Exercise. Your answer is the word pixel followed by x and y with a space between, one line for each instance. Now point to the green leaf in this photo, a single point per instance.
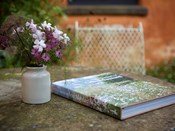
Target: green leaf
pixel 57 10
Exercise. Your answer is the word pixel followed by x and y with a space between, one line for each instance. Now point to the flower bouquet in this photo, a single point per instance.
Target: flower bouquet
pixel 36 45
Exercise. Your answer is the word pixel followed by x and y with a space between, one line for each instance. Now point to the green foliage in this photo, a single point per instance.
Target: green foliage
pixel 165 71
pixel 5 59
pixel 71 52
pixel 39 10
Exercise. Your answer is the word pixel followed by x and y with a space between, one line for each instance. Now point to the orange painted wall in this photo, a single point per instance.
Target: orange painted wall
pixel 159 28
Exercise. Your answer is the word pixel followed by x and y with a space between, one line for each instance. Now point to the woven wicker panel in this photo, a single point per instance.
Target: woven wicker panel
pixel 114 48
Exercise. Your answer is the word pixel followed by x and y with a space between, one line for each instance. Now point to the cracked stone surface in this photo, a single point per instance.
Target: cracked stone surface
pixel 64 115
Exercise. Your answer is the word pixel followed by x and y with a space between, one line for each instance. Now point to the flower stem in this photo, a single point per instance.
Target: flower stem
pixel 22 43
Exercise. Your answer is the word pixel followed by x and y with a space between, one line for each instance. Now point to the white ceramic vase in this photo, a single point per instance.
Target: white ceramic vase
pixel 36 85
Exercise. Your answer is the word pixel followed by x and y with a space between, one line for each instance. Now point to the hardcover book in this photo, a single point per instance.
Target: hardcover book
pixel 116 95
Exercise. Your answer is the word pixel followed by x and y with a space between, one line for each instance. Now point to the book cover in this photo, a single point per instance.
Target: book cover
pixel 116 95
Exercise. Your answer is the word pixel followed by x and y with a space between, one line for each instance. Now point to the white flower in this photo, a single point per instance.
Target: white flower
pixel 18 29
pixel 31 26
pixel 28 24
pixel 57 34
pixel 46 25
pixel 66 38
pixel 40 27
pixel 39 35
pixel 40 45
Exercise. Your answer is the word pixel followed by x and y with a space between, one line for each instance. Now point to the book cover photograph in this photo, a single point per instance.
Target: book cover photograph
pixel 115 95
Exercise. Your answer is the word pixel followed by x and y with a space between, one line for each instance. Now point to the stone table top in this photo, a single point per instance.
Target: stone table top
pixel 61 114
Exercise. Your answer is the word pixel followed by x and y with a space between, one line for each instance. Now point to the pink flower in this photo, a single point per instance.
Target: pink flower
pixel 36 54
pixel 4 42
pixel 45 57
pixel 48 47
pixel 58 53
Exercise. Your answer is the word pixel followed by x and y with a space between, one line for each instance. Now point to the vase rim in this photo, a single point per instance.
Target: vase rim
pixel 36 68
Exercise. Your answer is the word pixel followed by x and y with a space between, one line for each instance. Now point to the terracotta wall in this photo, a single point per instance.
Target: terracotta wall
pixel 159 28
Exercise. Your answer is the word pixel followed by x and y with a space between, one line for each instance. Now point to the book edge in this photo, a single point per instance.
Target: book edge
pixel 83 101
pixel 150 102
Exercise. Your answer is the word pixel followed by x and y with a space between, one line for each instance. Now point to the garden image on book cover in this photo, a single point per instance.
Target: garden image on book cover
pixel 116 95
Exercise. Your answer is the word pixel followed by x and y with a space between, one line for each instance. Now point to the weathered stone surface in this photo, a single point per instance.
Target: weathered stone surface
pixel 64 115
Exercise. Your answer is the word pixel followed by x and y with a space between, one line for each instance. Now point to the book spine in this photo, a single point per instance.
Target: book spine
pixel 91 102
